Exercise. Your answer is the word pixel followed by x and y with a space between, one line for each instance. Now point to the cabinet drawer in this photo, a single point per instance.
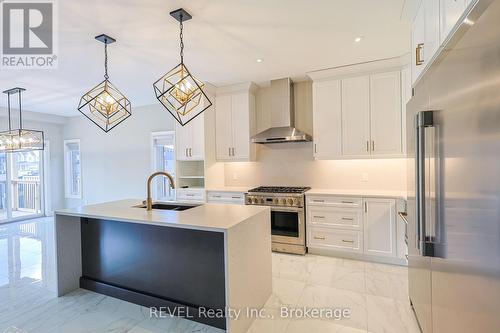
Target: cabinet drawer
pixel 335 239
pixel 347 202
pixel 187 194
pixel 335 217
pixel 226 197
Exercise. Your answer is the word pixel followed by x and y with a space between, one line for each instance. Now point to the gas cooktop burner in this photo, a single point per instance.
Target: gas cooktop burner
pixel 279 189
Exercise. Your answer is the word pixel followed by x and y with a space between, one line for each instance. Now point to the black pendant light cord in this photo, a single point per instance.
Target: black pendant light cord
pixel 182 40
pixel 20 112
pixel 8 108
pixel 106 76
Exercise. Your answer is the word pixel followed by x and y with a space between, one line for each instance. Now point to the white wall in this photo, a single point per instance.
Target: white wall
pixel 116 165
pixel 52 126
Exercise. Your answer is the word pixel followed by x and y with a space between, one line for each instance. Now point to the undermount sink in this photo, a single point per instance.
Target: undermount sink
pixel 169 206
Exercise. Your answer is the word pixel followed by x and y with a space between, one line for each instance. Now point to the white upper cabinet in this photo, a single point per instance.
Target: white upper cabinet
pixel 223 133
pixel 380 227
pixel 385 111
pixel 356 116
pixel 327 119
pixel 451 10
pixel 234 123
pixel 190 140
pixel 417 42
pixel 432 33
pixel 433 23
pixel 360 116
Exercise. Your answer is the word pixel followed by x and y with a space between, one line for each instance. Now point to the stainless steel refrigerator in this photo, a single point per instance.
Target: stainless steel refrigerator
pixel 453 141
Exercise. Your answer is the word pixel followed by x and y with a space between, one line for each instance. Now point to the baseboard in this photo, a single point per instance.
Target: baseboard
pixel 356 256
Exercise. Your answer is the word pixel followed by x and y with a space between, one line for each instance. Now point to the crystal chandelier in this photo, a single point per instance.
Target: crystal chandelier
pixel 178 91
pixel 20 139
pixel 104 104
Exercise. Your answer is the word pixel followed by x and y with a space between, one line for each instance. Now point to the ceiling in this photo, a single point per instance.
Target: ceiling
pixel 222 43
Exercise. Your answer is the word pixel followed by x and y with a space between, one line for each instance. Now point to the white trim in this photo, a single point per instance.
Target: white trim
pixel 68 195
pixel 46 196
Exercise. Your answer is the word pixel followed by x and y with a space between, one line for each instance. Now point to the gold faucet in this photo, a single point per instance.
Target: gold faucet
pixel 149 200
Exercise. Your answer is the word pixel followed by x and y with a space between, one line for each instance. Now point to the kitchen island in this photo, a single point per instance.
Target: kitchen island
pixel 195 263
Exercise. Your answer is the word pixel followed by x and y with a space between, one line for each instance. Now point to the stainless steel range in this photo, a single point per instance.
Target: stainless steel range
pixel 288 223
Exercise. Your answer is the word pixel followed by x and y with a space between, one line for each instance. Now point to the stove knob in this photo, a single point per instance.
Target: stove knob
pixel 249 200
pixel 255 200
pixel 276 201
pixel 261 201
pixel 283 201
pixel 290 202
pixel 295 202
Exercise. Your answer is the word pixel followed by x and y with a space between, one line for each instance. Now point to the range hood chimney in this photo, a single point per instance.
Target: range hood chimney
pixel 282 116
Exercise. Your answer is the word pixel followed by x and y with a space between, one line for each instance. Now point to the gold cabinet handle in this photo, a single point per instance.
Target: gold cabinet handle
pixel 229 151
pixel 347 241
pixel 373 145
pixel 315 200
pixel 348 219
pixel 320 238
pixel 318 217
pixel 418 54
pixel 233 151
pixel 347 202
pixel 367 145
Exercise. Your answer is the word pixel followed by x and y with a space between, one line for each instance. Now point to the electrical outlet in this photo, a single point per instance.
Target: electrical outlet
pixel 364 177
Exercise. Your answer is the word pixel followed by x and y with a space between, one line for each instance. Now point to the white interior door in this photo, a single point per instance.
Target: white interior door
pixel 223 124
pixel 385 104
pixel 327 108
pixel 356 117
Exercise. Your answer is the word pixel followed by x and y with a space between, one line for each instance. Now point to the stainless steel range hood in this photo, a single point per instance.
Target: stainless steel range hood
pixel 282 116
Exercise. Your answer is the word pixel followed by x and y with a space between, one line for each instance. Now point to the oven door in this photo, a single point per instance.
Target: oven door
pixel 288 225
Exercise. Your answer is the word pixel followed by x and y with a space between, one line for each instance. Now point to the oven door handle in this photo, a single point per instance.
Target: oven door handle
pixel 287 209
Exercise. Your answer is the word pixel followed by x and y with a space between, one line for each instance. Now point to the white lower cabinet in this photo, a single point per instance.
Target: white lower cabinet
pixel 191 194
pixel 362 228
pixel 236 198
pixel 380 227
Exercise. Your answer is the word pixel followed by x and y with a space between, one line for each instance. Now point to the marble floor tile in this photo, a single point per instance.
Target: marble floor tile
pixel 285 292
pixel 321 297
pixel 337 276
pixel 385 284
pixel 320 326
pixel 273 323
pixel 292 267
pixel 386 315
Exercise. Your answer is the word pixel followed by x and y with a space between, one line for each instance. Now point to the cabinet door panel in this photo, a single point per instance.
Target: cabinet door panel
pixel 451 10
pixel 223 127
pixel 417 38
pixel 385 101
pixel 240 125
pixel 356 116
pixel 431 26
pixel 197 146
pixel 182 141
pixel 327 118
pixel 380 227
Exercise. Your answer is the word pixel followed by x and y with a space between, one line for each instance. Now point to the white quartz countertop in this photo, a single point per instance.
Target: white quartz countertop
pixel 212 217
pixel 229 189
pixel 358 193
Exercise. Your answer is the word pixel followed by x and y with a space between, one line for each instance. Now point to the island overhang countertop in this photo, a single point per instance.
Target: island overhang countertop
pixel 211 217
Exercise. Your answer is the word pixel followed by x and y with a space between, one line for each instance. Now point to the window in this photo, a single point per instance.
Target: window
pixel 72 169
pixel 163 159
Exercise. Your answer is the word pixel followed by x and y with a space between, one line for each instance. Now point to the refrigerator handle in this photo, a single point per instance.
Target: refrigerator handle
pixel 424 119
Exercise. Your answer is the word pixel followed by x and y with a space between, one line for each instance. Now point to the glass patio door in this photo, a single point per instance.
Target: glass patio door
pixel 21 185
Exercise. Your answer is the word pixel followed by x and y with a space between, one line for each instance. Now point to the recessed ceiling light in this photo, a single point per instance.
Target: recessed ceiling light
pixel 358 39
pixel 259 60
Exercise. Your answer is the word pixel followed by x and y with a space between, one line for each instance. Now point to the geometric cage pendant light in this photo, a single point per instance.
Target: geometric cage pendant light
pixel 104 104
pixel 179 91
pixel 19 139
